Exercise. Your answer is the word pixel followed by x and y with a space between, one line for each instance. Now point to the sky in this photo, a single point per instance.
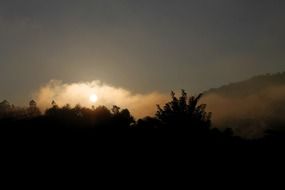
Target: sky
pixel 142 46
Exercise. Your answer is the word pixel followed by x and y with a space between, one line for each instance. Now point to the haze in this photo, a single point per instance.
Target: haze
pixel 141 46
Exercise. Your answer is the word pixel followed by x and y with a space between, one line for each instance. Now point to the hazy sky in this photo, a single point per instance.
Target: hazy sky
pixel 141 45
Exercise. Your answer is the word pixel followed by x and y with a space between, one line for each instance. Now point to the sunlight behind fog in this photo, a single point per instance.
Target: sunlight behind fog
pixel 83 93
pixel 93 98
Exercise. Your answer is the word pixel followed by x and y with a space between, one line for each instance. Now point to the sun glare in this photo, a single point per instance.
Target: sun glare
pixel 93 98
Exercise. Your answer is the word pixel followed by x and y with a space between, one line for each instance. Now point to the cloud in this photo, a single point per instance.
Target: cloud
pixel 140 105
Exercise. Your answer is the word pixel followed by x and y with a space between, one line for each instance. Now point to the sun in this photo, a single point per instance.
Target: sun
pixel 93 98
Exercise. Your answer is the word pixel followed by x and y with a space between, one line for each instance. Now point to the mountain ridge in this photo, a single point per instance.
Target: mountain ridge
pixel 250 107
pixel 256 83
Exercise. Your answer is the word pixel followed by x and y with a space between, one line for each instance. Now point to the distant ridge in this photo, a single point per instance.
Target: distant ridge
pixel 250 107
pixel 250 86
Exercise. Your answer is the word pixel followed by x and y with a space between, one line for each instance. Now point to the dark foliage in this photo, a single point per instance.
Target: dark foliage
pixel 184 112
pixel 183 121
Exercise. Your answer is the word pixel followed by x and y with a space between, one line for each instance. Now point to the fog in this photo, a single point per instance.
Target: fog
pixel 249 115
pixel 62 93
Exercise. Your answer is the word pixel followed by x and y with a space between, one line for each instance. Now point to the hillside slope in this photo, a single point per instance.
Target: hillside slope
pixel 250 107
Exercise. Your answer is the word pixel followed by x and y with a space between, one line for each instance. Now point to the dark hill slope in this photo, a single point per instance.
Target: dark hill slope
pixel 250 107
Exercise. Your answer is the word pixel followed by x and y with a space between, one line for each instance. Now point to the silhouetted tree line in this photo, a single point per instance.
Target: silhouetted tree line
pixel 181 119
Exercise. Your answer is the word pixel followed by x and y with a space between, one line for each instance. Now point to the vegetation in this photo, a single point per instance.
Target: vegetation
pixel 182 120
pixel 251 107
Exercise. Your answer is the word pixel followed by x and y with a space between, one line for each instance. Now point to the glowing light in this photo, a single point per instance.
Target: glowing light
pixel 93 98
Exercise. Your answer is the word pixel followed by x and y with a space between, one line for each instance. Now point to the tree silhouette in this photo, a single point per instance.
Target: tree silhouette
pixel 5 109
pixel 116 110
pixel 54 104
pixel 183 120
pixel 184 112
pixel 33 110
pixel 122 119
pixel 5 106
pixel 149 123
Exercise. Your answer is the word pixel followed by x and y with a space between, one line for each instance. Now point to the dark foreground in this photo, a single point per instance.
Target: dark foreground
pixel 149 139
pixel 182 125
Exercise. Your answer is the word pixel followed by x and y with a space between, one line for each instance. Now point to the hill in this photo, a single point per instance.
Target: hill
pixel 250 107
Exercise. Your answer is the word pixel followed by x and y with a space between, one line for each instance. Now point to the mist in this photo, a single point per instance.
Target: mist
pixel 140 105
pixel 248 115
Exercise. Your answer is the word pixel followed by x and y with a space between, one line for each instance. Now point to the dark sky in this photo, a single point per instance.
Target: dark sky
pixel 138 44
